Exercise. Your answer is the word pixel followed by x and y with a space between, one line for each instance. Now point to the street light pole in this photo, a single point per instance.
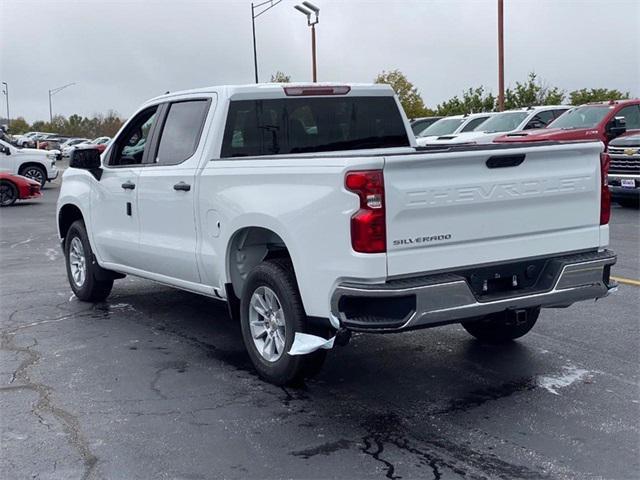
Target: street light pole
pixel 311 11
pixel 52 92
pixel 500 55
pixel 6 92
pixel 254 15
pixel 313 52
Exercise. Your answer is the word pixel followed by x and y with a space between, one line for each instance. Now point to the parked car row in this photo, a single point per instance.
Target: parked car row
pixel 615 121
pixel 54 141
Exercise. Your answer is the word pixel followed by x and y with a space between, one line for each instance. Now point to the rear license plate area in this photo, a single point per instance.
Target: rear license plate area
pixel 504 279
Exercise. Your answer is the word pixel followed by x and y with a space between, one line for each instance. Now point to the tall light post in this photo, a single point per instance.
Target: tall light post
pixel 258 8
pixel 500 55
pixel 52 92
pixel 6 93
pixel 311 11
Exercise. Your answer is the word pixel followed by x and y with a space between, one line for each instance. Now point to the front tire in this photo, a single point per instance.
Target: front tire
pixel 8 193
pixel 502 327
pixel 271 312
pixel 35 172
pixel 82 268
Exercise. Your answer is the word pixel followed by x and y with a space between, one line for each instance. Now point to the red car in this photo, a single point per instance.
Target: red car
pixel 16 187
pixel 592 121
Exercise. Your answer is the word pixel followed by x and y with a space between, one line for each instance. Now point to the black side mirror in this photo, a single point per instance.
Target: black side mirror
pixel 87 158
pixel 616 127
pixel 4 149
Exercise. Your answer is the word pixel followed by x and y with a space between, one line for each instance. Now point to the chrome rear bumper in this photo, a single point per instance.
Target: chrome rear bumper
pixel 447 298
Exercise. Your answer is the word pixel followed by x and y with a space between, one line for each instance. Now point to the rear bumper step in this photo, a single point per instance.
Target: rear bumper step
pixel 433 300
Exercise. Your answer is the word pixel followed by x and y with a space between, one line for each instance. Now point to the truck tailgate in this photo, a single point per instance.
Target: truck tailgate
pixel 453 209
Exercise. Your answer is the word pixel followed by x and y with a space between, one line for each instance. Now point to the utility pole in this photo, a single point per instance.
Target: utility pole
pixel 52 92
pixel 311 11
pixel 313 52
pixel 500 56
pixel 254 15
pixel 6 92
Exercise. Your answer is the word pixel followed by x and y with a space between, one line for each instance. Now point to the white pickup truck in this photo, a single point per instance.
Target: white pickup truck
pixel 312 212
pixel 39 165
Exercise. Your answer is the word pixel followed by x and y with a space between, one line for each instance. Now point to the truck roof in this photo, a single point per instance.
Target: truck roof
pixel 277 90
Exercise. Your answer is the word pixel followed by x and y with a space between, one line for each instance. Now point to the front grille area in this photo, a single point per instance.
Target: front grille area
pixel 622 163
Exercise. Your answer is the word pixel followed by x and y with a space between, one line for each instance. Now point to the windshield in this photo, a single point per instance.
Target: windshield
pixel 582 117
pixel 503 122
pixel 442 127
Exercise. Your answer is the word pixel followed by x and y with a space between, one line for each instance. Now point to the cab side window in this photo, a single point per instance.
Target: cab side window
pixel 181 131
pixel 476 122
pixel 557 113
pixel 130 147
pixel 631 114
pixel 540 120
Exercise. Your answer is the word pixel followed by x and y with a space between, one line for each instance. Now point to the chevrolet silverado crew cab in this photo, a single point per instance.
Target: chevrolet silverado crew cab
pixel 310 210
pixel 38 165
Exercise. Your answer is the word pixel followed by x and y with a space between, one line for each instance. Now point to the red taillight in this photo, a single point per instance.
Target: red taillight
pixel 319 90
pixel 605 195
pixel 368 225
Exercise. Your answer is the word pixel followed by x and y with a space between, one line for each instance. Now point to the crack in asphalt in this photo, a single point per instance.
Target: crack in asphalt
pixel 178 365
pixel 70 424
pixel 439 455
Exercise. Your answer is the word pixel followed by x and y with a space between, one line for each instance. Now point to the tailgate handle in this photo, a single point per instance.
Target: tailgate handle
pixel 503 161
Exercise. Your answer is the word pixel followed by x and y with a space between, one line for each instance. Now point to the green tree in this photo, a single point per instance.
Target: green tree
pixel 18 125
pixel 111 123
pixel 579 97
pixel 474 100
pixel 39 126
pixel 280 77
pixel 408 94
pixel 77 126
pixel 532 92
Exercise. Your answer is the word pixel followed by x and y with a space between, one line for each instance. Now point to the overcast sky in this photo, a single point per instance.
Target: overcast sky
pixel 122 52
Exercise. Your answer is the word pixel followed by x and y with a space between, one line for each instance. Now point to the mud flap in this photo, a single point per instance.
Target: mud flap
pixel 303 343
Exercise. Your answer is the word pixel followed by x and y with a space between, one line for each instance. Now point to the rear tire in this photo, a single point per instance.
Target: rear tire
pixel 35 172
pixel 500 327
pixel 271 288
pixel 82 268
pixel 8 193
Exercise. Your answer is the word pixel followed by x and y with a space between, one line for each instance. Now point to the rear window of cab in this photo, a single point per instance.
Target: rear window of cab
pixel 307 125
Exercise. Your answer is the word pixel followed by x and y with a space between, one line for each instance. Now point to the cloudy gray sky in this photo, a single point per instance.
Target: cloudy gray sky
pixel 122 52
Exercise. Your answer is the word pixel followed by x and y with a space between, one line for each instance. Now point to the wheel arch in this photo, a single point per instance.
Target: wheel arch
pixel 67 214
pixel 247 247
pixel 32 163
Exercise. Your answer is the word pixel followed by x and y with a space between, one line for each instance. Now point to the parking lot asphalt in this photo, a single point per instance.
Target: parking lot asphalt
pixel 155 384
